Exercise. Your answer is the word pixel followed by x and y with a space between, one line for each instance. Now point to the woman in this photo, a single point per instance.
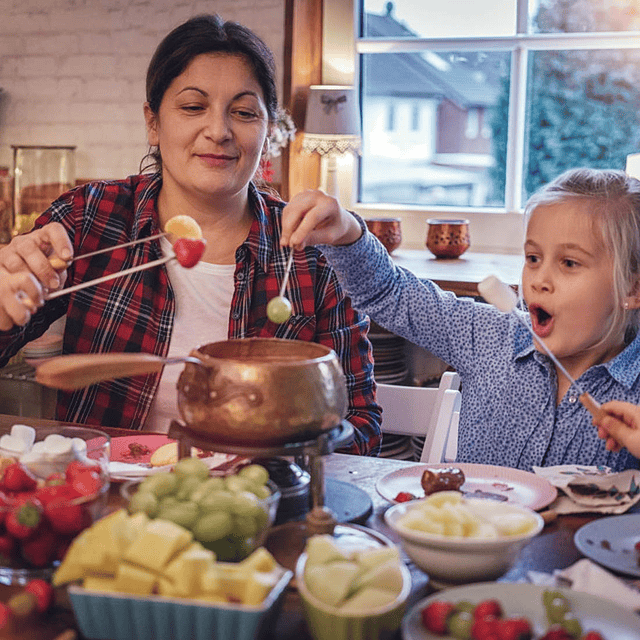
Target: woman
pixel 211 100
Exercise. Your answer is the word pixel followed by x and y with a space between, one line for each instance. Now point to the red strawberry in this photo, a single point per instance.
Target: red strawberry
pixel 23 520
pixel 485 628
pixel 514 629
pixel 43 591
pixel 405 496
pixel 64 516
pixel 5 615
pixel 434 616
pixel 87 483
pixel 40 549
pixel 487 608
pixel 17 478
pixel 76 467
pixel 189 251
pixel 592 635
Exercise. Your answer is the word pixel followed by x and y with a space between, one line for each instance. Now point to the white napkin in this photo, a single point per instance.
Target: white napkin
pixel 588 577
pixel 586 489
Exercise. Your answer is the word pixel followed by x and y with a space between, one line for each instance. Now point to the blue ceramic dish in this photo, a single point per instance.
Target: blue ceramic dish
pixel 127 617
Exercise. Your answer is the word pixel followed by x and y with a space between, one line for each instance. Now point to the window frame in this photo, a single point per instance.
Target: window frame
pixel 493 229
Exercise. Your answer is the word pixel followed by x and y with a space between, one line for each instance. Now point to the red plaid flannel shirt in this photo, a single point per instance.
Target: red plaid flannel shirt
pixel 135 313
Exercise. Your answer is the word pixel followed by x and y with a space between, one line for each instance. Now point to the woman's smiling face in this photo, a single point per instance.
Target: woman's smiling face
pixel 568 284
pixel 211 126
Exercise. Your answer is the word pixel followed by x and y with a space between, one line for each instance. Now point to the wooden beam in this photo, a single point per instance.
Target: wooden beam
pixel 302 68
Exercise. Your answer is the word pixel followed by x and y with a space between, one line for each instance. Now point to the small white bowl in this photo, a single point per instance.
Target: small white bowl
pixel 457 559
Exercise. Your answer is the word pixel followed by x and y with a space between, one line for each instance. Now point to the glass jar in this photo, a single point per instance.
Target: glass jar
pixel 41 174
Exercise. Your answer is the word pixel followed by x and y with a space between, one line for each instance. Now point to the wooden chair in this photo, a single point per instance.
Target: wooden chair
pixel 424 411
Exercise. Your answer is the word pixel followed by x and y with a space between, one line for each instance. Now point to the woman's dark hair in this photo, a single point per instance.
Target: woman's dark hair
pixel 207 34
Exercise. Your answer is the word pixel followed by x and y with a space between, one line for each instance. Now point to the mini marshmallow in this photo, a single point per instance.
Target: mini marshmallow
pixel 498 294
pixel 26 433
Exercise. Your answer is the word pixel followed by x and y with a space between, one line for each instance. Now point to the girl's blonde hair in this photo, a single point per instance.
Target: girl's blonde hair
pixel 613 198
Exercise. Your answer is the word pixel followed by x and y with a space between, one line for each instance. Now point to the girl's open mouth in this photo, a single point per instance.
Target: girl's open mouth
pixel 541 320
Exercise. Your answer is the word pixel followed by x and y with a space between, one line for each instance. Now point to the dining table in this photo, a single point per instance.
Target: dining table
pixel 552 549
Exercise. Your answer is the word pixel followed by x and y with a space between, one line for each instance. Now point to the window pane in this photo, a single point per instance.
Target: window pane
pixel 576 16
pixel 429 124
pixel 438 19
pixel 582 111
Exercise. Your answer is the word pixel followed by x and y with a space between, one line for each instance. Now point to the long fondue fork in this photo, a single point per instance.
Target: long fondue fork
pixel 504 298
pixel 111 276
pixel 287 271
pixel 118 246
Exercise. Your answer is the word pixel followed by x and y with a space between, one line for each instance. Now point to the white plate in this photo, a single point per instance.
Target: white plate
pixel 595 614
pixel 610 542
pixel 520 487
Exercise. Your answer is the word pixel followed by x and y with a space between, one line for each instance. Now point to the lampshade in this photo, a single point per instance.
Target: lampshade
pixel 332 123
pixel 633 165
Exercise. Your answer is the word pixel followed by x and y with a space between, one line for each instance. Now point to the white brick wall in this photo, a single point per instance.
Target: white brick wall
pixel 73 71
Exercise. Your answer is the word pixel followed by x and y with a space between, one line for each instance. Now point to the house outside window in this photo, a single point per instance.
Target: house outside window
pixel 543 87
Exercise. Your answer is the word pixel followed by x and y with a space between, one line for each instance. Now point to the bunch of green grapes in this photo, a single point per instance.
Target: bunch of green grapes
pixel 225 514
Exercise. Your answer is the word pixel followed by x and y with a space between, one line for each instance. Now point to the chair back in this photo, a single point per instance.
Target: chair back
pixel 424 411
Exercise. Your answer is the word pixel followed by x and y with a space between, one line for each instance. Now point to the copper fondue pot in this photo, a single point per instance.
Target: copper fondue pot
pixel 262 391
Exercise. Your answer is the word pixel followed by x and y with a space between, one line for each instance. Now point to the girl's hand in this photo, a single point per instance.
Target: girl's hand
pixel 31 252
pixel 312 217
pixel 620 426
pixel 20 296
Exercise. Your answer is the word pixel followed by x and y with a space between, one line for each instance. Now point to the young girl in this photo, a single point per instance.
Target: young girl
pixel 580 286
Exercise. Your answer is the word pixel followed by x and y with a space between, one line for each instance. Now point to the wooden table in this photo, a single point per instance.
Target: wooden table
pixel 552 549
pixel 463 274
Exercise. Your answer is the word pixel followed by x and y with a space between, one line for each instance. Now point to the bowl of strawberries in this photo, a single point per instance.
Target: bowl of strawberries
pixel 54 483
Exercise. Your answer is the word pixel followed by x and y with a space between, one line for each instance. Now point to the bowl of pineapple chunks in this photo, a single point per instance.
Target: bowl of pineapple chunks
pixel 133 577
pixel 352 594
pixel 455 539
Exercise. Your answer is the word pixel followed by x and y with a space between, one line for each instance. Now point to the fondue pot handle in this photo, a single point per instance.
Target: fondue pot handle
pixel 77 371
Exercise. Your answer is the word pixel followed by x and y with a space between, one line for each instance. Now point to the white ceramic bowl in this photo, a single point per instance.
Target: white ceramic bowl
pixel 457 559
pixel 328 623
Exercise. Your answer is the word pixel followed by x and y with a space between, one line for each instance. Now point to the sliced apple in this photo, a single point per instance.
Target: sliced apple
pixel 330 583
pixel 322 549
pixel 386 576
pixel 366 600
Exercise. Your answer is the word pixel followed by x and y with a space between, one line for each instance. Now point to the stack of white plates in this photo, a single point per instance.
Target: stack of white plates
pixel 397 447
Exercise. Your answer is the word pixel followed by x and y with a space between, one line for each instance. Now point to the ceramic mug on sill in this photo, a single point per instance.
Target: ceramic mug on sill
pixel 387 230
pixel 448 238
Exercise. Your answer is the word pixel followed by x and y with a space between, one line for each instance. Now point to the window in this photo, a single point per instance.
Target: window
pixel 498 96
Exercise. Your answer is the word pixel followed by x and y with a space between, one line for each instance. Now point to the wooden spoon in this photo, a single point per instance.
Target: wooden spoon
pixel 77 371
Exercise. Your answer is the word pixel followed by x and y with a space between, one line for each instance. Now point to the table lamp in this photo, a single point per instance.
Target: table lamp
pixel 332 126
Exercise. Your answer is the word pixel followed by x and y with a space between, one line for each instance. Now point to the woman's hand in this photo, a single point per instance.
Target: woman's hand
pixel 620 426
pixel 20 296
pixel 312 217
pixel 30 265
pixel 43 253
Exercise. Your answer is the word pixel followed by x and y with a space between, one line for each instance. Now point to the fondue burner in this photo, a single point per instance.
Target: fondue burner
pixel 309 453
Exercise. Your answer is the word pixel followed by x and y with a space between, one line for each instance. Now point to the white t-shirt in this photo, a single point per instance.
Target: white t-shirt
pixel 203 303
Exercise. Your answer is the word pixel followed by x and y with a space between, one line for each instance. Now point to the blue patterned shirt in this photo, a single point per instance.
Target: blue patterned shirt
pixel 509 415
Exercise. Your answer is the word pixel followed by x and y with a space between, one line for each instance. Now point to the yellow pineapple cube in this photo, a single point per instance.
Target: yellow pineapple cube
pixel 97 583
pixel 131 579
pixel 157 543
pixel 259 560
pixel 259 585
pixel 185 569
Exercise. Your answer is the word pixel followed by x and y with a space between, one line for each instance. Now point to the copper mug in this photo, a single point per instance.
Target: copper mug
pixel 387 230
pixel 448 238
